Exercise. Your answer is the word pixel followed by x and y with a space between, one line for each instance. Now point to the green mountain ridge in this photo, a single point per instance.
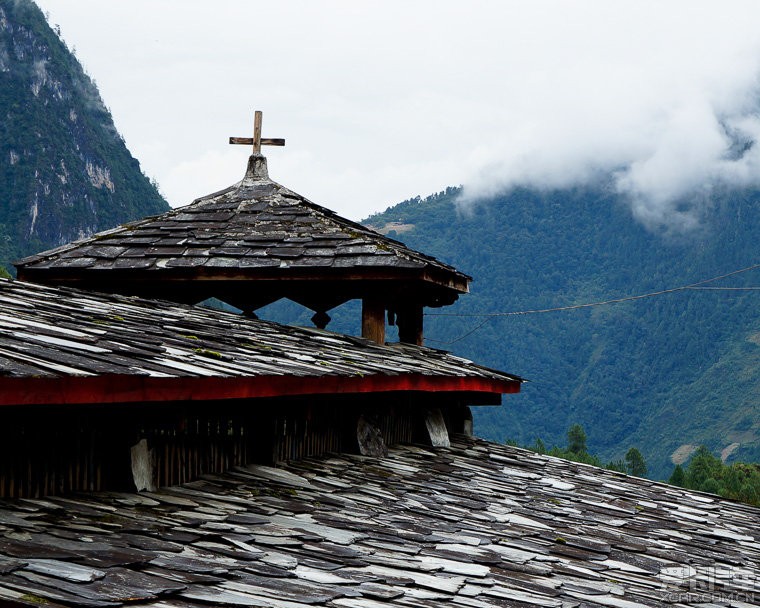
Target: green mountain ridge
pixel 65 172
pixel 656 373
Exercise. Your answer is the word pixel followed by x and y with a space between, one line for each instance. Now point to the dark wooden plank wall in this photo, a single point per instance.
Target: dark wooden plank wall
pixel 314 429
pixel 48 453
pixel 199 444
pixel 300 433
pixel 53 451
pixel 60 450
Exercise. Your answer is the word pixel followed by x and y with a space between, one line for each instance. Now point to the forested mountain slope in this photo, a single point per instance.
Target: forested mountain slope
pixel 660 373
pixel 64 170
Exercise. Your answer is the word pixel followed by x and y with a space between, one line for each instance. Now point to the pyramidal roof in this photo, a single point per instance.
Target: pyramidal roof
pixel 255 229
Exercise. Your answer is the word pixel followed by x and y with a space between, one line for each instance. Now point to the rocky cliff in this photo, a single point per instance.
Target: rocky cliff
pixel 65 171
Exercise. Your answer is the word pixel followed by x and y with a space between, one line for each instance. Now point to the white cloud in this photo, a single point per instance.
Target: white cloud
pixel 381 101
pixel 660 104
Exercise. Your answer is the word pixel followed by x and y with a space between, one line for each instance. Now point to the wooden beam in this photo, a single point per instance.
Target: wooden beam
pixel 264 141
pixel 373 320
pixel 409 321
pixel 346 283
pixel 105 389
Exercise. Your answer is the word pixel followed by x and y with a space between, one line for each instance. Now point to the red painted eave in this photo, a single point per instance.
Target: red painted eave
pixel 138 389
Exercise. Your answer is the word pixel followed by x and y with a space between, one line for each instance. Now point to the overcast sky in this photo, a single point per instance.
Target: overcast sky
pixel 383 101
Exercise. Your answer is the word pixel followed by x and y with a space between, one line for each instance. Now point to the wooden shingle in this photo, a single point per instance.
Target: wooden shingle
pixel 256 230
pixel 477 524
pixel 117 344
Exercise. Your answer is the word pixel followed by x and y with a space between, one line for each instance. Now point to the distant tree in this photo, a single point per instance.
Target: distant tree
pixel 634 463
pixel 704 465
pixel 707 473
pixel 741 481
pixel 576 439
pixel 750 494
pixel 678 478
pixel 576 451
pixel 617 465
pixel 733 478
pixel 4 274
pixel 711 486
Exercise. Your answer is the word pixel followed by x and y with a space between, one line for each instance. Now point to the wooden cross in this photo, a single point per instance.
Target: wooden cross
pixel 257 141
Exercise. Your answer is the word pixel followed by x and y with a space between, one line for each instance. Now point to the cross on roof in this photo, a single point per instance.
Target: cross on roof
pixel 257 141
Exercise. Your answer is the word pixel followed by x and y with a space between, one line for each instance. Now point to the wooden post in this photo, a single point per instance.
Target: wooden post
pixel 409 321
pixel 257 132
pixel 370 438
pixel 144 466
pixel 373 320
pixel 436 428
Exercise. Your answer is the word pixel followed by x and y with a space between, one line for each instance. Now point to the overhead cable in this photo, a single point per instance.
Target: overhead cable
pixel 691 286
pixel 698 286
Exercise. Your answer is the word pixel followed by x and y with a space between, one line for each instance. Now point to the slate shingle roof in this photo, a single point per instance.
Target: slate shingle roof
pixel 476 525
pixel 254 229
pixel 49 332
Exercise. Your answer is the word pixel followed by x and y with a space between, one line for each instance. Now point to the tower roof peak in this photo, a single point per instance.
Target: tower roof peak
pixel 252 244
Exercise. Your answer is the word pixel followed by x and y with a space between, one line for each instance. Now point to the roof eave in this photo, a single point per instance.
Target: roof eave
pixel 139 281
pixel 111 389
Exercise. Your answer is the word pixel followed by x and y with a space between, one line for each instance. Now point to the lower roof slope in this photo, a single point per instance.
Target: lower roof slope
pixel 60 345
pixel 476 525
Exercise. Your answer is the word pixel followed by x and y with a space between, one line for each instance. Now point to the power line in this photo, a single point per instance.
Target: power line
pixel 698 286
pixel 691 286
pixel 725 288
pixel 469 333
